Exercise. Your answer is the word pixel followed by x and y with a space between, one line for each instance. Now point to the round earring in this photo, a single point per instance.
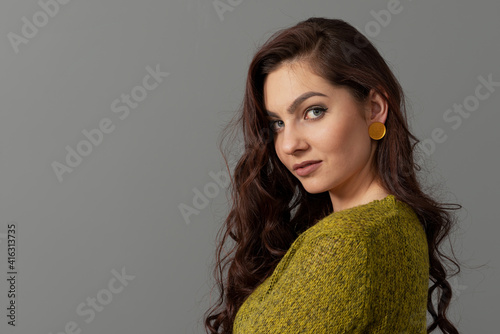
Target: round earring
pixel 376 130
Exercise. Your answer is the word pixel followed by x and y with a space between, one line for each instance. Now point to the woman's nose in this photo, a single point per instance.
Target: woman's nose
pixel 292 141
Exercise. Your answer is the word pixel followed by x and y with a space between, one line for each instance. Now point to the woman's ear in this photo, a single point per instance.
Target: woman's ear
pixel 377 107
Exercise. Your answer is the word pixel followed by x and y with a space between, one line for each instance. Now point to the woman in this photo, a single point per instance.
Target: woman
pixel 332 231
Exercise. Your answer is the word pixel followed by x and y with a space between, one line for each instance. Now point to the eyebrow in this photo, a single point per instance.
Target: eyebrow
pixel 297 102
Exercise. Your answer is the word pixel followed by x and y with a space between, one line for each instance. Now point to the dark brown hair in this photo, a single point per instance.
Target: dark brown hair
pixel 270 208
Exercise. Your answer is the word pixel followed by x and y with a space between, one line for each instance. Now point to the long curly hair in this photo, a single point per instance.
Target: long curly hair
pixel 270 207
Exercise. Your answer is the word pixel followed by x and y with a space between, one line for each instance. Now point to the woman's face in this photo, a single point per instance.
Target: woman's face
pixel 326 125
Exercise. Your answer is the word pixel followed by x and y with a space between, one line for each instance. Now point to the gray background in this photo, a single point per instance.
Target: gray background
pixel 119 208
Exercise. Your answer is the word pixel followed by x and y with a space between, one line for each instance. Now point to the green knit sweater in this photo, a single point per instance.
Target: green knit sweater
pixel 360 270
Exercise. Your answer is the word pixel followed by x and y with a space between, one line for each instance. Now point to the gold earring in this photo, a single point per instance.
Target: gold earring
pixel 376 130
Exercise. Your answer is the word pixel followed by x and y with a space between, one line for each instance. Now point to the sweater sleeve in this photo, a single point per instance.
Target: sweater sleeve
pixel 322 290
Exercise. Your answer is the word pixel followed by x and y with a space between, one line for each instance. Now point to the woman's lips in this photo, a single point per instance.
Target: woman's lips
pixel 308 169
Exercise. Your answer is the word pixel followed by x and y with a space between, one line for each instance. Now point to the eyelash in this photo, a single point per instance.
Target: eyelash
pixel 322 109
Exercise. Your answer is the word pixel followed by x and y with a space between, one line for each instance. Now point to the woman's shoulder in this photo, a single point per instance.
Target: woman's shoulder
pixel 371 233
pixel 387 215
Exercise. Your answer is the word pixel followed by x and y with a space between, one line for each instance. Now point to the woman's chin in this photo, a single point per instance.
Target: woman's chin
pixel 314 189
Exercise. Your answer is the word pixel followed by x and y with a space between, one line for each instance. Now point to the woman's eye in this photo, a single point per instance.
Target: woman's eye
pixel 316 112
pixel 272 125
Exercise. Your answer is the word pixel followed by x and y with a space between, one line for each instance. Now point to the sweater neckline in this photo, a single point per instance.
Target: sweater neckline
pixel 388 201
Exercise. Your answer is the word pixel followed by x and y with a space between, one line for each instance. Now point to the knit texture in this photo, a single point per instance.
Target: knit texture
pixel 360 270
